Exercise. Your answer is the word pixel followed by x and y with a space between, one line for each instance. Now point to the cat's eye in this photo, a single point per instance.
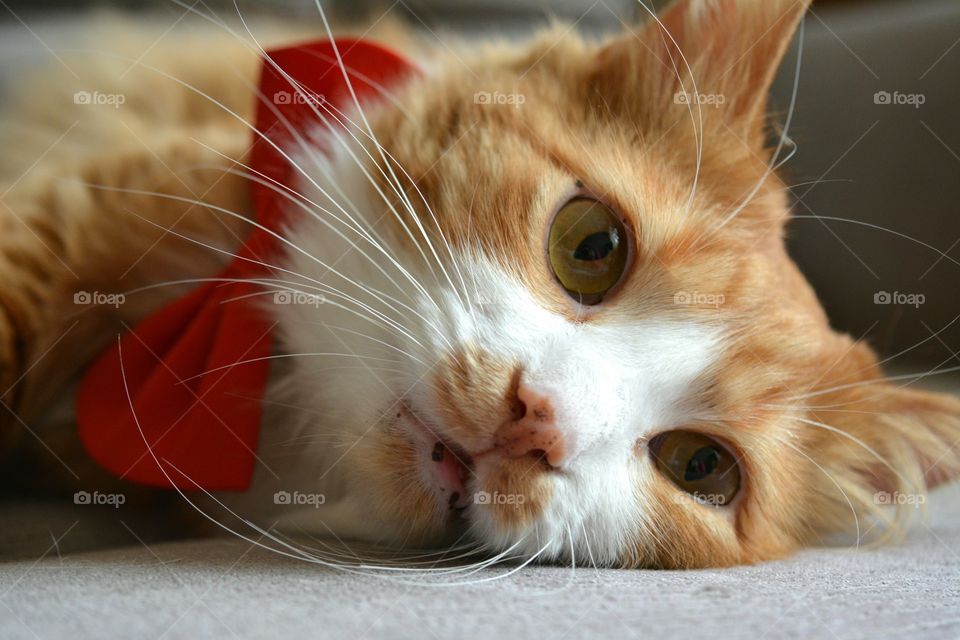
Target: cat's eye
pixel 588 249
pixel 699 465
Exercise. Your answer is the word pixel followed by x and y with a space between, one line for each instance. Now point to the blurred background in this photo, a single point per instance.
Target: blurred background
pixel 877 167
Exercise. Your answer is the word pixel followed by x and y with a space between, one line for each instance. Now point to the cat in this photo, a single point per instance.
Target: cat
pixel 573 330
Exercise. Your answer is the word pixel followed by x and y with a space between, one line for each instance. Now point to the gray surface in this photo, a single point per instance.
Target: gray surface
pixel 227 589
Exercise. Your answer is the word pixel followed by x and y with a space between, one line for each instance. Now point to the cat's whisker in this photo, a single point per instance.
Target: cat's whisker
pixel 878 227
pixel 310 102
pixel 335 133
pixel 427 322
pixel 301 201
pixel 396 183
pixel 377 318
pixel 832 478
pixel 775 163
pixel 322 164
pixel 404 559
pixel 379 295
pixel 913 377
pixel 284 356
pixel 586 542
pixel 814 183
pixel 933 336
pixel 862 444
pixel 255 46
pixel 391 325
pixel 230 112
pixel 698 121
pixel 413 183
pixel 380 342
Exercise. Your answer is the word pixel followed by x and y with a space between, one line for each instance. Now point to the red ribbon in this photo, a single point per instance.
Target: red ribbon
pixel 193 373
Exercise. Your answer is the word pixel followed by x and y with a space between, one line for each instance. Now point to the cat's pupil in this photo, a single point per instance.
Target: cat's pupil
pixel 597 246
pixel 702 463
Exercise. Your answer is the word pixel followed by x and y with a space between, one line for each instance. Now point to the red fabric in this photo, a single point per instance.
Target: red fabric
pixel 196 369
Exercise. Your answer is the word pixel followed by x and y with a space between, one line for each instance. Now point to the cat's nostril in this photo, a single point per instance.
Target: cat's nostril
pixel 518 409
pixel 536 405
pixel 534 431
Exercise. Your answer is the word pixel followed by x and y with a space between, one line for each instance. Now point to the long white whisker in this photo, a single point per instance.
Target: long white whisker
pixel 311 104
pixel 697 132
pixel 391 158
pixel 775 163
pixel 856 517
pixel 396 183
pixel 379 295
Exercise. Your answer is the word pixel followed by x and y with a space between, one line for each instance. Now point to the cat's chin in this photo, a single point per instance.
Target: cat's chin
pixel 445 466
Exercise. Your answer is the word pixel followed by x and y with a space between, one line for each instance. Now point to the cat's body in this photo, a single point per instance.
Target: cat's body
pixel 450 330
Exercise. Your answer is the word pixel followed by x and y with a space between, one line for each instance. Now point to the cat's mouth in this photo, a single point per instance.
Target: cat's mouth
pixel 446 466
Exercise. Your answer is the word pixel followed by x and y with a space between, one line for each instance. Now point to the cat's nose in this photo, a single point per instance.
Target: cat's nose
pixel 535 431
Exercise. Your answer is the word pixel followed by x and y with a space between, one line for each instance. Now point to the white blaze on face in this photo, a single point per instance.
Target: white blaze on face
pixel 609 383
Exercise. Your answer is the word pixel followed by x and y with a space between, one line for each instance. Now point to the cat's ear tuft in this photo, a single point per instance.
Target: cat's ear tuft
pixel 880 448
pixel 720 55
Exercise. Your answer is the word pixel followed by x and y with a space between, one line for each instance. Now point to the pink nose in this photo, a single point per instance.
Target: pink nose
pixel 535 431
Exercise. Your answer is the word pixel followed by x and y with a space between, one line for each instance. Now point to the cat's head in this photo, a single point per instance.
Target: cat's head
pixel 569 325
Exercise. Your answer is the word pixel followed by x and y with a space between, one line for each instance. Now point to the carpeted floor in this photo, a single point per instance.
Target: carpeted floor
pixel 230 589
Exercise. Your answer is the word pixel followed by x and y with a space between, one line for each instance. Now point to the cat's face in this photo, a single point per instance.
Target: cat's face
pixel 583 337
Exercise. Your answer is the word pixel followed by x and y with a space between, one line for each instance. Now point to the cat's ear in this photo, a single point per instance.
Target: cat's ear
pixel 718 55
pixel 879 445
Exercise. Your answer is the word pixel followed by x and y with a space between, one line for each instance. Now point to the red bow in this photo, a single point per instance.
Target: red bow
pixel 194 372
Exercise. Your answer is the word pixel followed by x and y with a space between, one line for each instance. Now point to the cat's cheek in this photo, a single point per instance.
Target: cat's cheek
pixel 687 534
pixel 510 496
pixel 388 477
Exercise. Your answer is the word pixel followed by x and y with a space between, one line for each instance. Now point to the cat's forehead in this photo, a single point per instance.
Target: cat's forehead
pixel 500 148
